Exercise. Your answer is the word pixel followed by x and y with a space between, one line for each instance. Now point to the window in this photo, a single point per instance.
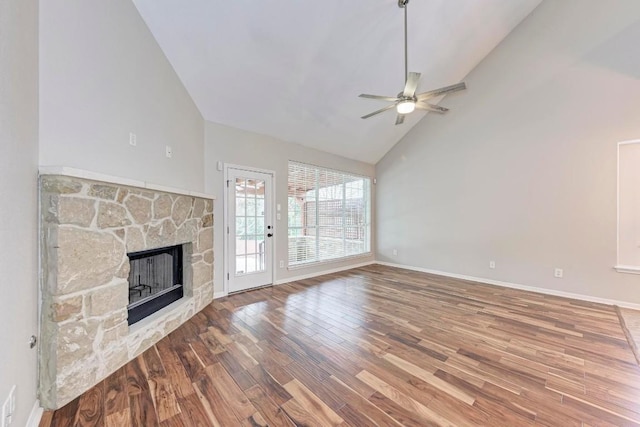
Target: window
pixel 629 207
pixel 328 214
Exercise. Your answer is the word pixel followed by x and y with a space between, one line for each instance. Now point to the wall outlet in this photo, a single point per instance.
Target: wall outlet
pixel 558 273
pixel 281 264
pixel 168 152
pixel 395 252
pixel 133 139
pixel 492 264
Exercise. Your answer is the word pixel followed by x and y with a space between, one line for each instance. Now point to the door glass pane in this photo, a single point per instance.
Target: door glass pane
pixel 240 185
pixel 251 206
pixel 255 254
pixel 250 226
pixel 260 189
pixel 241 248
pixel 240 264
pixel 240 202
pixel 240 226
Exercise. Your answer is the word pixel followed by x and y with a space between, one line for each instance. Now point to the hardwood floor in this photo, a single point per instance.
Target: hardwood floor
pixel 377 346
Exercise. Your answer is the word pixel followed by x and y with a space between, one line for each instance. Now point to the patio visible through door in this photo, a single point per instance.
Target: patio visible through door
pixel 250 229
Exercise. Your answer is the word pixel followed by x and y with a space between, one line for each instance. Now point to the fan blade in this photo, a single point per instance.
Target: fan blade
pixel 400 119
pixel 430 107
pixel 381 98
pixel 411 85
pixel 382 110
pixel 442 91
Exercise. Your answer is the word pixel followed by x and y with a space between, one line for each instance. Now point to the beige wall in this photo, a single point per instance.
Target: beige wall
pixel 103 76
pixel 523 169
pixel 234 146
pixel 18 209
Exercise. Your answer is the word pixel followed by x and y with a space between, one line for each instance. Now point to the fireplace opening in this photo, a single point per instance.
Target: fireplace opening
pixel 155 281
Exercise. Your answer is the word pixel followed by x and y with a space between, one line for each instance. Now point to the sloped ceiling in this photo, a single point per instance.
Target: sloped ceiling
pixel 294 69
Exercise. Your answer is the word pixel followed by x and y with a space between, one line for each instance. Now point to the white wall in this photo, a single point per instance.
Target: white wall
pixel 102 75
pixel 18 209
pixel 523 169
pixel 234 146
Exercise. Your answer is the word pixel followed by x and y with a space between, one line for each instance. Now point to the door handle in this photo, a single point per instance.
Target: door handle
pixel 269 234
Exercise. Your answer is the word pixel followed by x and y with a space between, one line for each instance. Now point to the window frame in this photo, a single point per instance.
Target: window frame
pixel 366 224
pixel 623 266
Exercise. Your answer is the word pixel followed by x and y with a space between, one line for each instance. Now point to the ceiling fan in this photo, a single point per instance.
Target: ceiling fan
pixel 407 100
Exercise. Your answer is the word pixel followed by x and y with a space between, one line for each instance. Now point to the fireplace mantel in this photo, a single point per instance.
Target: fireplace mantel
pixel 110 179
pixel 88 224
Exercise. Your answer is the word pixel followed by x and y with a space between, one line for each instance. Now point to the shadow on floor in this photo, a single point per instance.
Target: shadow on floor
pixel 630 321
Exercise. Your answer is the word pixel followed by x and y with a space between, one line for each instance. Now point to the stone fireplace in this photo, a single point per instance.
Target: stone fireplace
pixel 93 230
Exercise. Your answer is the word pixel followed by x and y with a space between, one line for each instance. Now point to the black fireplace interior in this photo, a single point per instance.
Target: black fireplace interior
pixel 155 281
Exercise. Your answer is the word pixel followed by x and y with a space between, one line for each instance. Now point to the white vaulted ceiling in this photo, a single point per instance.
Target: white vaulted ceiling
pixel 293 69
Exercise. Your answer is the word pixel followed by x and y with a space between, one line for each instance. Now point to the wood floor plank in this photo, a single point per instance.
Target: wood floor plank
pixel 300 416
pixel 142 410
pixel 46 418
pixel 268 409
pixel 174 369
pixel 91 407
pixel 214 406
pixel 160 387
pixel 118 419
pixel 230 392
pixel 66 415
pixel 116 396
pixel 274 389
pixel 403 416
pixel 198 407
pixel 312 403
pixel 357 408
pixel 428 377
pixel 377 346
pixel 403 400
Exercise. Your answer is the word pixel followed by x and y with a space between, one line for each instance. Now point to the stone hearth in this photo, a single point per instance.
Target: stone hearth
pixel 87 229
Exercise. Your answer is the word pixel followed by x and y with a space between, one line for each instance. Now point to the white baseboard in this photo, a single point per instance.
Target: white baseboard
pixel 546 291
pixel 220 294
pixel 322 273
pixel 35 416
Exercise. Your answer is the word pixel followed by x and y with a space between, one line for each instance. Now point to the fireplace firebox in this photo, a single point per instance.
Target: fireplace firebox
pixel 155 281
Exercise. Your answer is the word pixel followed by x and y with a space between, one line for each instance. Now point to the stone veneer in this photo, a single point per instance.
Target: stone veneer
pixel 87 229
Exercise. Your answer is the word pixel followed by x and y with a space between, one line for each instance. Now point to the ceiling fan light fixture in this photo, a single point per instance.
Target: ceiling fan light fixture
pixel 406 100
pixel 406 106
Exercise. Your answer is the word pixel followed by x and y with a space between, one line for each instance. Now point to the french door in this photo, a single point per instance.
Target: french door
pixel 249 229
